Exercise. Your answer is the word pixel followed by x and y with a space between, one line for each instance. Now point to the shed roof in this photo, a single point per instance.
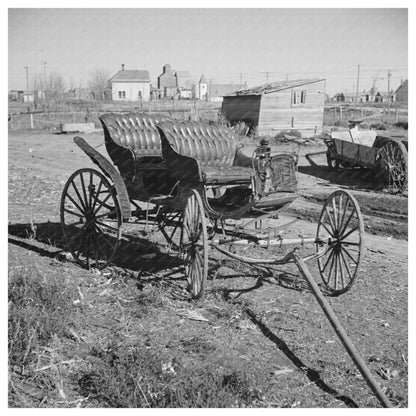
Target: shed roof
pixel 276 86
pixel 131 75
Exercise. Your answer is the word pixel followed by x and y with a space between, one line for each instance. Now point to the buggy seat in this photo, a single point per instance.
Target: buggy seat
pixel 134 131
pixel 196 151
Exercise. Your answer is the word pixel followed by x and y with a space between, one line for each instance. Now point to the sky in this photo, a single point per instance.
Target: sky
pixel 226 45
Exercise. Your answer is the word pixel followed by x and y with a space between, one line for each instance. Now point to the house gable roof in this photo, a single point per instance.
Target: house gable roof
pixel 131 75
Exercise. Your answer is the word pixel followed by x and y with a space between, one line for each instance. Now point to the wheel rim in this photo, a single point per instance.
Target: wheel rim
pixel 393 166
pixel 194 245
pixel 90 218
pixel 342 222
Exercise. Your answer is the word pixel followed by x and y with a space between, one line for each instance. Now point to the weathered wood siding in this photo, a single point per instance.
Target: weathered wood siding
pixel 277 111
pixel 242 108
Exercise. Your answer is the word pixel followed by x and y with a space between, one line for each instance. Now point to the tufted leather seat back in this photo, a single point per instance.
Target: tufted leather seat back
pixel 134 131
pixel 212 146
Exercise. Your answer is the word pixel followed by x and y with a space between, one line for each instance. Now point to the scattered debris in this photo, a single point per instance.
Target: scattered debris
pixel 193 315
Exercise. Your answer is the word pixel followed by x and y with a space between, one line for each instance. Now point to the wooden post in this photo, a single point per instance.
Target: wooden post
pixel 396 115
pixel 340 113
pixel 31 121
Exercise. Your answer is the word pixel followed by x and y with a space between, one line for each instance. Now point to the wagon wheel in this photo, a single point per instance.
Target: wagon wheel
pixel 194 245
pixel 90 218
pixel 393 166
pixel 342 222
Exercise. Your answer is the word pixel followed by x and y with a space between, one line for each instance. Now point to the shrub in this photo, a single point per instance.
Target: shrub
pixel 378 126
pixel 401 125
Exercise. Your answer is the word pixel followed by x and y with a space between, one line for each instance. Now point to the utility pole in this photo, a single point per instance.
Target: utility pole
pixel 44 84
pixel 358 83
pixel 267 76
pixel 210 86
pixel 27 84
pixel 388 89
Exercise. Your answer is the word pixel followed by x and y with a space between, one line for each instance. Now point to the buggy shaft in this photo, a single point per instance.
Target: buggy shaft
pixel 342 335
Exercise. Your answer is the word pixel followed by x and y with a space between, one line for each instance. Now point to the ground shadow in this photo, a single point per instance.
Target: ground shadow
pixel 313 375
pixel 283 278
pixel 134 253
pixel 351 177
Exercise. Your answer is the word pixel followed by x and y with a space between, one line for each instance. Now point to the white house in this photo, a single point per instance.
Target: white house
pixel 130 85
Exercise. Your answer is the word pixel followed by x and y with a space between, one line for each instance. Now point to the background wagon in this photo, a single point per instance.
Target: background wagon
pixel 386 156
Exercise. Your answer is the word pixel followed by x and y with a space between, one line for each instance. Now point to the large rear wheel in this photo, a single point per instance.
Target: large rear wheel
pixel 194 245
pixel 90 218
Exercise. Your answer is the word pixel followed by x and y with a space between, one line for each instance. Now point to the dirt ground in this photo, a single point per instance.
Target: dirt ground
pixel 270 328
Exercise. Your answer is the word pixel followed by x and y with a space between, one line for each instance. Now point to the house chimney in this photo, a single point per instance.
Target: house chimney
pixel 122 67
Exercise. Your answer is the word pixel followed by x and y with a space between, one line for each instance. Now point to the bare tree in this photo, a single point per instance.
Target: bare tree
pixel 98 83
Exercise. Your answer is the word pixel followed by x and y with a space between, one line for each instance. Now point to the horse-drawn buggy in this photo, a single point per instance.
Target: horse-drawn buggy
pixel 203 192
pixel 196 185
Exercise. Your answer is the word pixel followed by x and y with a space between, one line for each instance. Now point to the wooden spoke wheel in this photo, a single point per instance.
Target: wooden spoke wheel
pixel 194 245
pixel 342 224
pixel 90 218
pixel 393 166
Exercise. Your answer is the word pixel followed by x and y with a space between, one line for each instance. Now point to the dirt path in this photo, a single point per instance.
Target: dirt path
pixel 268 329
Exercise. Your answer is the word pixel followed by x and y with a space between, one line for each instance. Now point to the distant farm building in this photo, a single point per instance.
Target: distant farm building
pixel 201 90
pixel 401 94
pixel 286 105
pixel 174 84
pixel 130 85
pixel 339 97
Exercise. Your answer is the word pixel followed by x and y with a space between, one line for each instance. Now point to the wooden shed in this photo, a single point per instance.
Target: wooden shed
pixel 286 105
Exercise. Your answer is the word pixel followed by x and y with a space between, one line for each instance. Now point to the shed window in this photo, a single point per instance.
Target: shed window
pixel 122 94
pixel 298 97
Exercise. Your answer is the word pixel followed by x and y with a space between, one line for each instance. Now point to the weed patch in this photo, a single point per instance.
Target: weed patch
pixel 39 308
pixel 138 377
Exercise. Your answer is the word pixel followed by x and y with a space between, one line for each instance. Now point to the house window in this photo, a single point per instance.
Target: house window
pixel 298 97
pixel 122 95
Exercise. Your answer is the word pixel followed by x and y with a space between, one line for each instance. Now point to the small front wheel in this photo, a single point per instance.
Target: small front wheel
pixel 341 224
